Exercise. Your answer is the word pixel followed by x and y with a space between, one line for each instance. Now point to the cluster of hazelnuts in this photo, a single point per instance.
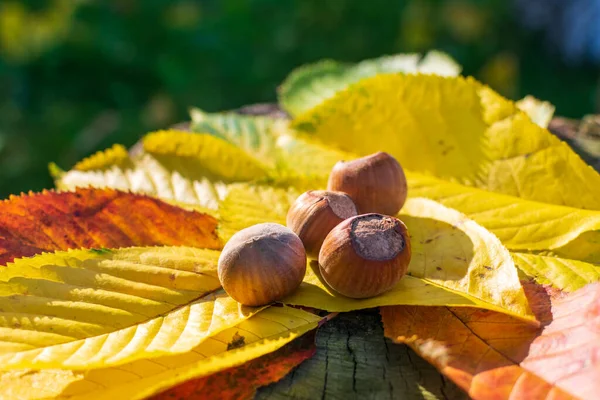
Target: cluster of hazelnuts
pixel 359 255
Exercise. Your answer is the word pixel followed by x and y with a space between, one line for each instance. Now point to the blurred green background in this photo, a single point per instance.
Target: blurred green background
pixel 78 76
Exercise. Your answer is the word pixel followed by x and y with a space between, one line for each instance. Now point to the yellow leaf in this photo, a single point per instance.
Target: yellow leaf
pixel 115 155
pixel 454 252
pixel 539 111
pixel 455 261
pixel 454 129
pixel 181 180
pixel 520 224
pixel 260 334
pixel 409 117
pixel 562 273
pixel 586 247
pixel 93 308
pixel 314 292
pixel 270 140
pixel 311 161
pixel 198 156
pixel 309 85
pixel 246 205
pixel 255 135
pixel 196 169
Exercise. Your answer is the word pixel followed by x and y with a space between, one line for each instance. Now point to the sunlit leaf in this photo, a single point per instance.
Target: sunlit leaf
pixel 196 169
pixel 540 112
pixel 520 224
pixel 254 134
pixel 198 156
pixel 493 355
pixel 454 129
pixel 116 155
pixel 177 166
pixel 93 308
pixel 309 85
pixel 455 261
pixel 261 334
pixel 562 273
pixel 48 221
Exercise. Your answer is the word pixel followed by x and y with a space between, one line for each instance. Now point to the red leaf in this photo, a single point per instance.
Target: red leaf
pixel 92 218
pixel 243 381
pixel 492 355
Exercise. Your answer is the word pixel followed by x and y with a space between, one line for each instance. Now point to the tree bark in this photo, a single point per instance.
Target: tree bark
pixel 355 361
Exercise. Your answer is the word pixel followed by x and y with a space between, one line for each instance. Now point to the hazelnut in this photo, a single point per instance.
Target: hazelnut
pixel 365 255
pixel 315 213
pixel 262 264
pixel 376 183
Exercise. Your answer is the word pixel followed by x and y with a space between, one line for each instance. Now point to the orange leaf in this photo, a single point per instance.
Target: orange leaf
pixel 243 381
pixel 96 218
pixel 494 356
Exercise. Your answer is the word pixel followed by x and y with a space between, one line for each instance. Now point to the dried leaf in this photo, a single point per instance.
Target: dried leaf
pixel 493 355
pixel 92 218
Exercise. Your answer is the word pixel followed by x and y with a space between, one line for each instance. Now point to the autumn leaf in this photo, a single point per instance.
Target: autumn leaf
pixel 89 308
pixel 245 205
pixel 481 155
pixel 310 85
pixel 455 129
pixel 455 261
pixel 90 218
pixel 175 166
pixel 262 334
pixel 492 355
pixel 197 176
pixel 116 155
pixel 519 223
pixel 540 112
pixel 243 381
pixel 203 156
pixel 463 145
pixel 270 140
pixel 256 135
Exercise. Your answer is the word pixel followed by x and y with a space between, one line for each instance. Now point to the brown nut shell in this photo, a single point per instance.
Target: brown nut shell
pixel 365 255
pixel 315 213
pixel 262 264
pixel 376 183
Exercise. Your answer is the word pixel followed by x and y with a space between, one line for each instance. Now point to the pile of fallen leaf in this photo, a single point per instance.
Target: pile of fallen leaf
pixel 109 287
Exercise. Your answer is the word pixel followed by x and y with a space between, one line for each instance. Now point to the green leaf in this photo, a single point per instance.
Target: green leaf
pixel 310 85
pixel 255 135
